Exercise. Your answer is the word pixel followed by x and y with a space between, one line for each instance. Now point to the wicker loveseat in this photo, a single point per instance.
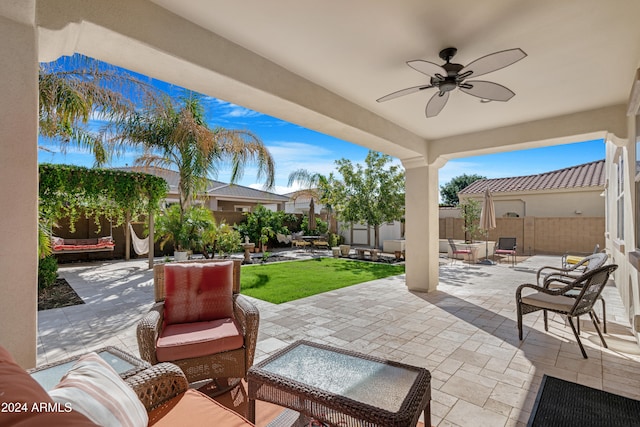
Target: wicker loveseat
pixel 162 390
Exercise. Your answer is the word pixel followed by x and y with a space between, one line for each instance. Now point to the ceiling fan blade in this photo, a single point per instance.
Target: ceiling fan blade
pixel 436 104
pixel 488 90
pixel 493 62
pixel 426 67
pixel 403 92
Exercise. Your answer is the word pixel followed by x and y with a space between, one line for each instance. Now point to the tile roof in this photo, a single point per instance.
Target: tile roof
pixel 580 176
pixel 214 188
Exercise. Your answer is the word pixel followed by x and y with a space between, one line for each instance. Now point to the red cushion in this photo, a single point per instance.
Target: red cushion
pixel 197 292
pixel 17 386
pixel 187 340
pixel 193 408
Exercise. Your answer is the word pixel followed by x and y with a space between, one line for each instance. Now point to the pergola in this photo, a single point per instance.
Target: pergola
pixel 322 65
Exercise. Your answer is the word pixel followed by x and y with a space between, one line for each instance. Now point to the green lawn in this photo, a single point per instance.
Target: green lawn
pixel 287 281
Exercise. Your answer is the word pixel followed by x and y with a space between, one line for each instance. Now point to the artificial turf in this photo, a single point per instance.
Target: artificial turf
pixel 287 281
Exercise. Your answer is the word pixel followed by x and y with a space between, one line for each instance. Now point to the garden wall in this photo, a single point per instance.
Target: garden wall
pixel 539 235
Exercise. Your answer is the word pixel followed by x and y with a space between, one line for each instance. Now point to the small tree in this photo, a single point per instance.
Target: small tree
pixel 470 211
pixel 450 190
pixel 373 194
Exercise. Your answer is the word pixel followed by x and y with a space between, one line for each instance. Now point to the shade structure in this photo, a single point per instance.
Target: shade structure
pixel 312 216
pixel 487 220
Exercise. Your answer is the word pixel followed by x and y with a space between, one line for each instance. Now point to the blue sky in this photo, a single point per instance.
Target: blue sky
pixel 294 147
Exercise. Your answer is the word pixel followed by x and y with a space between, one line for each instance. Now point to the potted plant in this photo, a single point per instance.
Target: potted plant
pixel 186 230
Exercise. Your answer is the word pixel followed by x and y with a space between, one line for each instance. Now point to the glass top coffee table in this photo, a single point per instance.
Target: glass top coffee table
pixel 340 387
pixel 123 363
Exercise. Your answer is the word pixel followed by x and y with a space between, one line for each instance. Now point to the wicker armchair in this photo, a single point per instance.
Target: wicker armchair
pixel 554 277
pixel 223 365
pixel 590 287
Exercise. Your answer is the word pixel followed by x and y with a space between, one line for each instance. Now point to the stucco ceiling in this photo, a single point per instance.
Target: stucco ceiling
pixel 582 54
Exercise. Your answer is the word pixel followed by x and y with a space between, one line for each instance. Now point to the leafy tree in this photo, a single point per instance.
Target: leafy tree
pixel 449 191
pixel 373 194
pixel 187 230
pixel 263 224
pixel 78 88
pixel 470 211
pixel 175 133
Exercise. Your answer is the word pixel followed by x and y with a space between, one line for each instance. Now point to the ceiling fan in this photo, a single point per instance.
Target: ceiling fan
pixel 449 76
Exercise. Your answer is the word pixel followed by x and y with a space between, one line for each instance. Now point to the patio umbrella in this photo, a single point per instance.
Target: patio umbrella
pixel 312 216
pixel 487 222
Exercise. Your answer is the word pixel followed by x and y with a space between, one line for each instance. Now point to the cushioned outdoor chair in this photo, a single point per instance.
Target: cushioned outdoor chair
pixel 590 286
pixel 506 246
pixel 549 275
pixel 553 278
pixel 200 322
pixel 569 260
pixel 458 251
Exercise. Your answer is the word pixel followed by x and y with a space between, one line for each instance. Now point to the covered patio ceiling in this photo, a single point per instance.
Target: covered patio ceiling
pixel 324 64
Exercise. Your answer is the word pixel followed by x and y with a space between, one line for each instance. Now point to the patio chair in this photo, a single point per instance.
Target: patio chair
pixel 569 260
pixel 554 278
pixel 549 275
pixel 456 251
pixel 590 287
pixel 506 246
pixel 200 322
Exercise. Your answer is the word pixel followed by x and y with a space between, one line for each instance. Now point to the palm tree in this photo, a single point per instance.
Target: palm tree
pixel 176 134
pixel 313 185
pixel 79 88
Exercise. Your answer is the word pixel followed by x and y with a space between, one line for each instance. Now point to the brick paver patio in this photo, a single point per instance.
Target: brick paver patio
pixel 465 333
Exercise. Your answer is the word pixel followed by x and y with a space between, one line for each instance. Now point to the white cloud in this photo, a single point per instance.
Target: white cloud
pixel 229 110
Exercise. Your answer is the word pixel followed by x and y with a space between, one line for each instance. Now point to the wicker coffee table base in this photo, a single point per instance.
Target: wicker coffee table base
pixel 267 382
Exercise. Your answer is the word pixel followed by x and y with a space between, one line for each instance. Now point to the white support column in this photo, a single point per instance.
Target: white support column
pixel 19 181
pixel 421 225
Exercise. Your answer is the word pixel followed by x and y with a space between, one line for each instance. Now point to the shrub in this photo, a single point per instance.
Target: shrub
pixel 228 239
pixel 47 271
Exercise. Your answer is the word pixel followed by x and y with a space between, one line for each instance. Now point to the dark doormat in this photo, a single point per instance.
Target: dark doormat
pixel 562 403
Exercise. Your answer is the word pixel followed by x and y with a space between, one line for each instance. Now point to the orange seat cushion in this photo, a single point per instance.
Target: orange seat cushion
pixel 187 340
pixel 193 408
pixel 32 406
pixel 197 292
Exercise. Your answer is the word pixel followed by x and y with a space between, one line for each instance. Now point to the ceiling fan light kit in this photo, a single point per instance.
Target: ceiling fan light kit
pixel 450 76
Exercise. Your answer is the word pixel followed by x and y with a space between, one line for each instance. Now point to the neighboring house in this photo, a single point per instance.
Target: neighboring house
pixel 568 192
pixel 219 196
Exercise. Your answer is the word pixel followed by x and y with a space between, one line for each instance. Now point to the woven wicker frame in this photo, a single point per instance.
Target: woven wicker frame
pixel 232 364
pixel 158 384
pixel 590 285
pixel 335 409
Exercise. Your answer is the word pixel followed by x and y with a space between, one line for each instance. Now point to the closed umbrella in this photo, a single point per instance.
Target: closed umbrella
pixel 312 216
pixel 487 221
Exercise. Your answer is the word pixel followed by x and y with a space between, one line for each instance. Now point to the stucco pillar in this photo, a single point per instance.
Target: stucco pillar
pixel 18 181
pixel 421 232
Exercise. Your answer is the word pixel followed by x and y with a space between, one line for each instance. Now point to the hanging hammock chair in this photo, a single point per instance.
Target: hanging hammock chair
pixel 141 246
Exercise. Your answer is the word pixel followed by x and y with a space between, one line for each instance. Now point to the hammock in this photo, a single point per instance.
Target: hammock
pixel 141 246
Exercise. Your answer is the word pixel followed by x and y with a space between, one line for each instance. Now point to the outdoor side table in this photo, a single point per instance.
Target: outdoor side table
pixel 340 387
pixel 123 363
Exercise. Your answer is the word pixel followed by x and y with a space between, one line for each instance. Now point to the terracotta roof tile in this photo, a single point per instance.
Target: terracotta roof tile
pixel 580 176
